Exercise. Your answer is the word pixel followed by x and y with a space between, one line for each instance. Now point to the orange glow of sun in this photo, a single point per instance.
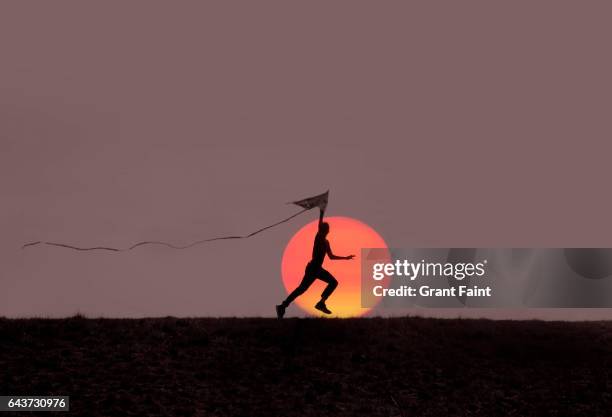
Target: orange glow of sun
pixel 347 236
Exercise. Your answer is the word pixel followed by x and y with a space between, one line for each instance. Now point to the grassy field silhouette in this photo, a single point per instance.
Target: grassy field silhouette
pixel 310 367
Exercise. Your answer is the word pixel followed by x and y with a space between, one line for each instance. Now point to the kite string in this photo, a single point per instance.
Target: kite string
pixel 154 242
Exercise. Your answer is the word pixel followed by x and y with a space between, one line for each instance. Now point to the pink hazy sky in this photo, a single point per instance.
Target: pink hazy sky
pixel 446 123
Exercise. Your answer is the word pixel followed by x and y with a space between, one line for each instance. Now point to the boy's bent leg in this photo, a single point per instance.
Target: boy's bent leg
pixel 332 283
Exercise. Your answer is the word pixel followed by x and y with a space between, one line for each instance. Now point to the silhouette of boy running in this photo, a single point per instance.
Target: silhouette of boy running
pixel 315 270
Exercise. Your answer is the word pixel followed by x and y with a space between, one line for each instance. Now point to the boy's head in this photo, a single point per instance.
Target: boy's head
pixel 324 228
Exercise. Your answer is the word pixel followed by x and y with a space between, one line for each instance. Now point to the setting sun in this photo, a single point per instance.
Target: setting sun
pixel 347 236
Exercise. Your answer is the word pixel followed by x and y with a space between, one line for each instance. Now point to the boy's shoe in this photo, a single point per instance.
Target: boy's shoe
pixel 322 307
pixel 280 311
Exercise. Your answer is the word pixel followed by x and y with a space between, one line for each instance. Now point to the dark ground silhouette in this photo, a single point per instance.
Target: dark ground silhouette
pixel 311 367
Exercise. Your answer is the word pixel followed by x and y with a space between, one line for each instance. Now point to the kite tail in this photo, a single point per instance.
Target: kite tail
pixel 154 242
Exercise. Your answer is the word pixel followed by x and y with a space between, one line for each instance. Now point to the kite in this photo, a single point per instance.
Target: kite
pixel 319 201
